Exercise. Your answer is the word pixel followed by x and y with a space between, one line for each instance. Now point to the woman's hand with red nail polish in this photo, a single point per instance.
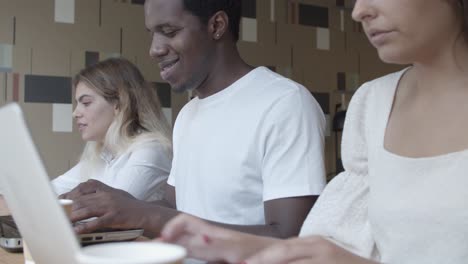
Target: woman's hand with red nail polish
pixel 208 242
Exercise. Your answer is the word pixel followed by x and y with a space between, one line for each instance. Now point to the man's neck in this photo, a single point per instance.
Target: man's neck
pixel 226 70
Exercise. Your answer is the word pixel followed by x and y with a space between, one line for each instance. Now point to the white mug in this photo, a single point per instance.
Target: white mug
pixel 133 253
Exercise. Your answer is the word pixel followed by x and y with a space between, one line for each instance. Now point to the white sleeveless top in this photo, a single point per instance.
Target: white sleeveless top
pixel 390 208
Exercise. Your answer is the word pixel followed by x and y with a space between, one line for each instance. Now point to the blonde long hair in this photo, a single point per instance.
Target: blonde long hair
pixel 139 119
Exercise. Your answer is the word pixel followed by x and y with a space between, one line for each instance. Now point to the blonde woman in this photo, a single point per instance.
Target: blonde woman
pixel 403 195
pixel 128 139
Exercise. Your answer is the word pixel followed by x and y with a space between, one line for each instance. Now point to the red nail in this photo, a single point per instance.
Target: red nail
pixel 206 239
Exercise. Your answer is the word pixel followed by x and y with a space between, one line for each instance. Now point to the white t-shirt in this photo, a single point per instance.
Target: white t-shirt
pixel 259 139
pixel 391 208
pixel 141 171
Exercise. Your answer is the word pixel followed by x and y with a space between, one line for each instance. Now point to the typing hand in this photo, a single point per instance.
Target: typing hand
pixel 207 242
pixel 111 208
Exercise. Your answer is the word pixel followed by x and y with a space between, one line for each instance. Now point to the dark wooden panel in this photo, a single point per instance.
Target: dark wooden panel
pixel 164 93
pixel 324 100
pixel 311 15
pixel 249 8
pixel 47 89
pixel 91 57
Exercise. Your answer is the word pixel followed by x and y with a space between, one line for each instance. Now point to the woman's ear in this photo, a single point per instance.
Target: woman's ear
pixel 116 109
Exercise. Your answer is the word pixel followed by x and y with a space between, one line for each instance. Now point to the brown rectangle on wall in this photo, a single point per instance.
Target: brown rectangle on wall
pixel 341 81
pixel 16 87
pixel 3 87
pixel 293 12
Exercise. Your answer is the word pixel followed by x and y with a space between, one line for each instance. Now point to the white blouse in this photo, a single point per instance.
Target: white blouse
pixel 142 171
pixel 390 208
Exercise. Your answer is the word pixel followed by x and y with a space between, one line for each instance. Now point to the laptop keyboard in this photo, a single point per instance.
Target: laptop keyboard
pixel 8 227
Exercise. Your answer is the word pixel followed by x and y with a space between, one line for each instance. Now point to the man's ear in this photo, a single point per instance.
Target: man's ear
pixel 218 25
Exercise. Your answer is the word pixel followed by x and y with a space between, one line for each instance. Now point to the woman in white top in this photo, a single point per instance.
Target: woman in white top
pixel 403 197
pixel 128 139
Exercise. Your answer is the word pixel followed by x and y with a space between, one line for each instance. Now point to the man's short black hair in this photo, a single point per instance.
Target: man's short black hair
pixel 205 9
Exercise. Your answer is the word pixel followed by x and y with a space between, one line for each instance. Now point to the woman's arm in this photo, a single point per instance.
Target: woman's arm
pixel 69 180
pixel 211 243
pixel 145 173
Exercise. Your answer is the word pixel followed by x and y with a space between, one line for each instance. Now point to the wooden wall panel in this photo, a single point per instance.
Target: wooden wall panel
pixel 371 67
pixel 87 13
pixel 109 27
pixel 22 59
pixel 266 32
pixel 6 26
pixel 257 54
pixel 297 35
pixel 52 60
pixel 59 151
pixel 118 14
pixel 101 39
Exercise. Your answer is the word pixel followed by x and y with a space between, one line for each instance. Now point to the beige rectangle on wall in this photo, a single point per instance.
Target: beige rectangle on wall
pixel 272 11
pixel 167 111
pixel 65 11
pixel 62 118
pixel 342 20
pixel 323 39
pixel 249 29
pixel 6 57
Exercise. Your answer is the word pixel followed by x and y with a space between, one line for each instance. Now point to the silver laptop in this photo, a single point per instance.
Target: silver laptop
pixel 33 204
pixel 11 240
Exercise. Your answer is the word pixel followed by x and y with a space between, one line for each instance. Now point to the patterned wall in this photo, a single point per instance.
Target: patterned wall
pixel 43 43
